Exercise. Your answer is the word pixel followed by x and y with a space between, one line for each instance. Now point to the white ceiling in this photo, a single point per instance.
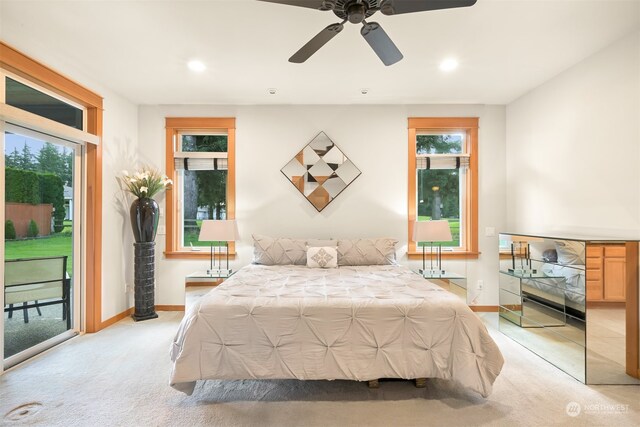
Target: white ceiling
pixel 139 49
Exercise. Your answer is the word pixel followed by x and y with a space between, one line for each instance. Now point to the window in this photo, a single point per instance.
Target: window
pixel 443 180
pixel 200 160
pixel 35 101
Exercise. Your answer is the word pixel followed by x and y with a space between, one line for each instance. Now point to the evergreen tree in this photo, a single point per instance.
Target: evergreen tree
pixel 12 160
pixel 50 161
pixel 27 160
pixel 67 167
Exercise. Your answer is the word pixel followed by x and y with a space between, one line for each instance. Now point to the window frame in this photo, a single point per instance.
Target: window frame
pixel 468 126
pixel 174 126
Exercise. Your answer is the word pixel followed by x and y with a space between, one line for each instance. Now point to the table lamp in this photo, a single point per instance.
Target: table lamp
pixel 522 243
pixel 219 231
pixel 432 231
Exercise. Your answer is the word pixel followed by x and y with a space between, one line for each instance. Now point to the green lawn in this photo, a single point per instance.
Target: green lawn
pixel 454 224
pixel 56 245
pixel 191 236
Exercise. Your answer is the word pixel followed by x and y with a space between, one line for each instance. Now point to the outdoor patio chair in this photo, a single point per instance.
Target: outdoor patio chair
pixel 37 282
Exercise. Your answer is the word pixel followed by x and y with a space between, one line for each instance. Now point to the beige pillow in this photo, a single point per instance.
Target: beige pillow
pixel 570 252
pixel 366 251
pixel 322 257
pixel 279 251
pixel 314 243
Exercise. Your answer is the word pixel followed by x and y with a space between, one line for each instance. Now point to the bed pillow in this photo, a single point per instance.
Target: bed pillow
pixel 279 251
pixel 366 251
pixel 322 257
pixel 315 243
pixel 570 252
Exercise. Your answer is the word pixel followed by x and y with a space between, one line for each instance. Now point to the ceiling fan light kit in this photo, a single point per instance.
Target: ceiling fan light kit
pixel 356 12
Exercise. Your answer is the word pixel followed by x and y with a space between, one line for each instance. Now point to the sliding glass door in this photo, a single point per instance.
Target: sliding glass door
pixel 42 265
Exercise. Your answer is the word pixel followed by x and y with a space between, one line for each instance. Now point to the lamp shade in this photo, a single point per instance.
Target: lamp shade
pixel 219 230
pixel 432 231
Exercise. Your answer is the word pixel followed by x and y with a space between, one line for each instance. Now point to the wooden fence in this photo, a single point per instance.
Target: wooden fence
pixel 22 213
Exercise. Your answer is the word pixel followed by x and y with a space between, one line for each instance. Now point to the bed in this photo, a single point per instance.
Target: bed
pixel 353 322
pixel 563 284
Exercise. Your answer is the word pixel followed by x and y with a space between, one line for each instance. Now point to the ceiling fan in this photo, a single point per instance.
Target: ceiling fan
pixel 356 12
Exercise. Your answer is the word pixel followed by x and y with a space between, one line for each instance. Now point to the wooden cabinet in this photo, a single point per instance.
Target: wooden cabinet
pixel 606 273
pixel 595 288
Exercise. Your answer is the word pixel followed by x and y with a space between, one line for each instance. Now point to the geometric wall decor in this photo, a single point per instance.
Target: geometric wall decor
pixel 320 171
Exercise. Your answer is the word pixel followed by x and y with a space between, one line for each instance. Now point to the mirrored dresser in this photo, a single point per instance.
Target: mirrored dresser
pixel 573 302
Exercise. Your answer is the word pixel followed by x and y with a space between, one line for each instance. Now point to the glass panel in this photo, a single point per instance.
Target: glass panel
pixel 440 143
pixel 29 99
pixel 39 236
pixel 203 143
pixel 204 196
pixel 562 352
pixel 439 197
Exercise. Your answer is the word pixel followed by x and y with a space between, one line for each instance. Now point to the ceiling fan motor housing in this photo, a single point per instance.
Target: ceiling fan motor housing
pixel 355 11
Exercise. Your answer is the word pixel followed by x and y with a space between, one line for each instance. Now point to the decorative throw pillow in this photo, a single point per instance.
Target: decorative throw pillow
pixel 366 251
pixel 570 252
pixel 279 251
pixel 322 257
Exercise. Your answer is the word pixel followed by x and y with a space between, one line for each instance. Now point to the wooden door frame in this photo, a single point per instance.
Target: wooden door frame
pixel 22 65
pixel 632 310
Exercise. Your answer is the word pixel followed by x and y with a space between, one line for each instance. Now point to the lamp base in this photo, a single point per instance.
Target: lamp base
pixel 219 272
pixel 428 273
pixel 523 271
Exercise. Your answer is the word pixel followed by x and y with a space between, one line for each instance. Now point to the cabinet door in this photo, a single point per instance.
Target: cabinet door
pixel 614 279
pixel 595 288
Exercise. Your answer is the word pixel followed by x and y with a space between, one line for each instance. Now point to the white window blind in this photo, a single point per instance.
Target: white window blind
pixel 201 163
pixel 442 161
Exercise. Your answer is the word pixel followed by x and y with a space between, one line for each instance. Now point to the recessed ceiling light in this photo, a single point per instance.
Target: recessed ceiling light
pixel 272 91
pixel 364 91
pixel 449 64
pixel 196 66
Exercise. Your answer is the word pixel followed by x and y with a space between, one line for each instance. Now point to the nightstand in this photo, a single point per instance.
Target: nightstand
pixel 452 282
pixel 202 278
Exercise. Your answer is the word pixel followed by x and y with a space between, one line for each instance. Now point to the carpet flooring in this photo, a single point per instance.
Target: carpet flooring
pixel 119 377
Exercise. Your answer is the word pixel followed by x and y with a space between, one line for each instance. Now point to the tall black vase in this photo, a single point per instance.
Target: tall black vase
pixel 144 221
pixel 145 214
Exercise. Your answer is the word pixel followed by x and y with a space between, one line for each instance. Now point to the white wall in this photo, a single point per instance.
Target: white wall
pixel 120 151
pixel 573 149
pixel 373 137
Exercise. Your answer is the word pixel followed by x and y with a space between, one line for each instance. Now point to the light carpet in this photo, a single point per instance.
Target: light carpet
pixel 120 377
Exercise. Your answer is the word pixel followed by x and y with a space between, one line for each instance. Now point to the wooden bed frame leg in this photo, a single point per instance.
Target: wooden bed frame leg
pixel 421 382
pixel 374 384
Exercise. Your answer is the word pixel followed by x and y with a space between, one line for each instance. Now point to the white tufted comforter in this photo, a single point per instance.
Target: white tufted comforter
pixel 356 323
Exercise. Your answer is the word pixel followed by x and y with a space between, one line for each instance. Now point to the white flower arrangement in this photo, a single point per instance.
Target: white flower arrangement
pixel 146 183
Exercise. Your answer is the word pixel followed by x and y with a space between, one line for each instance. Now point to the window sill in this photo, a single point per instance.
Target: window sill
pixel 445 255
pixel 196 255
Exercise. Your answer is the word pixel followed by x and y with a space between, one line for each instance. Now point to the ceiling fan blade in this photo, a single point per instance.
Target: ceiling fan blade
pixel 316 43
pixel 312 4
pixel 380 43
pixel 397 7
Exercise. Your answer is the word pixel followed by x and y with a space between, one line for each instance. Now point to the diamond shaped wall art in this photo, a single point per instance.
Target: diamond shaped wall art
pixel 320 171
